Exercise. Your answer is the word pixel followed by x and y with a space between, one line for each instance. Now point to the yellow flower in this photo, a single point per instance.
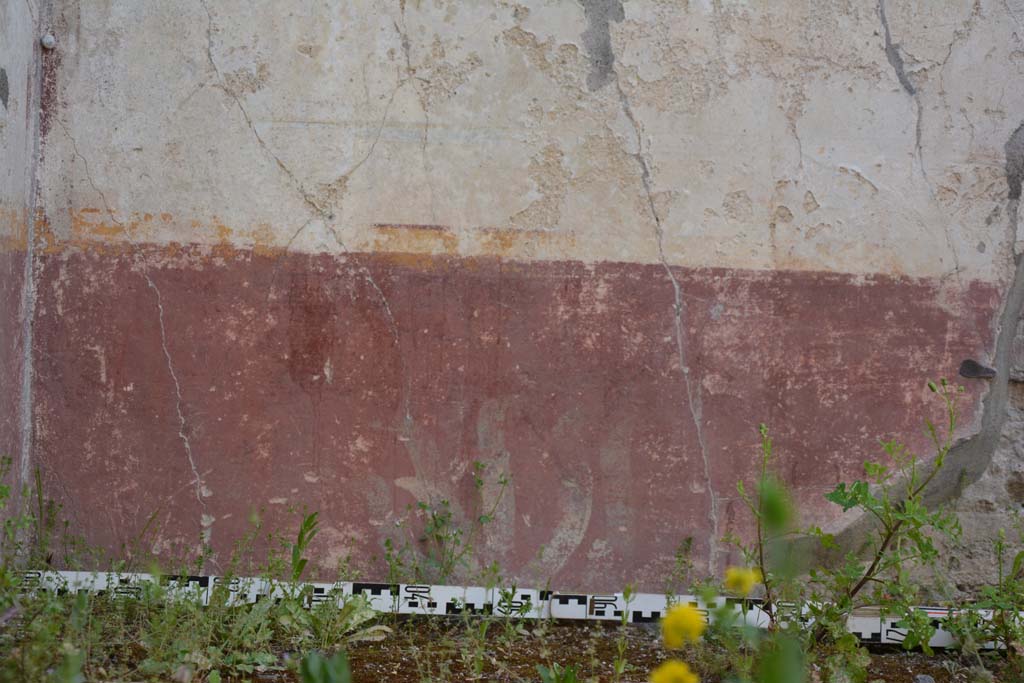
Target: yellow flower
pixel 682 623
pixel 673 671
pixel 741 580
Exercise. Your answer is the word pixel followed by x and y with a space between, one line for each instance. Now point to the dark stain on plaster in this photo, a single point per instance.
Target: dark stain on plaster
pixel 597 40
pixel 48 92
pixel 892 53
pixel 310 330
pixel 4 87
pixel 972 369
pixel 1015 162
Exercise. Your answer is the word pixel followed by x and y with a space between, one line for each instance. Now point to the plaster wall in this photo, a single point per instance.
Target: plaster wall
pixel 331 254
pixel 19 59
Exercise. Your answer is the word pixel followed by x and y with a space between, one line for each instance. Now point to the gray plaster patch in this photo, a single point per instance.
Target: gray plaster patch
pixel 1015 162
pixel 892 53
pixel 4 87
pixel 597 40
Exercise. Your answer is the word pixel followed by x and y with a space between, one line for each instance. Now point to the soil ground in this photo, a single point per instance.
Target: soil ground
pixel 426 651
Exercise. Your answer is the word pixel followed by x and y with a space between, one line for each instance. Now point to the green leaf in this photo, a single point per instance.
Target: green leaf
pixel 776 507
pixel 1018 560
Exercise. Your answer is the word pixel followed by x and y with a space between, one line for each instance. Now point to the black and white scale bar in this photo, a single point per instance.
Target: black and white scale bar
pixel 422 599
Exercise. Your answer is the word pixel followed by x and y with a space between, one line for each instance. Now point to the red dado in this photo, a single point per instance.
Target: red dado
pixel 358 385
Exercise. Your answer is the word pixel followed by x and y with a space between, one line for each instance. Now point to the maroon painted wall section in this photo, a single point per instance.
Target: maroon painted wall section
pixel 12 279
pixel 359 385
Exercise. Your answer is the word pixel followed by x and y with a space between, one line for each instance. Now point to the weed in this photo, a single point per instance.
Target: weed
pixel 678 579
pixel 892 495
pixel 557 673
pixel 315 668
pixel 995 620
pixel 621 663
pixel 307 531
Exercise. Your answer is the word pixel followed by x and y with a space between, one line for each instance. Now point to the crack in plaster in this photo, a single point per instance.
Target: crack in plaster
pixel 1016 20
pixel 324 213
pixel 894 55
pixel 202 492
pixel 895 58
pixel 417 81
pixel 679 307
pixel 959 35
pixel 971 456
pixel 88 174
pixel 223 85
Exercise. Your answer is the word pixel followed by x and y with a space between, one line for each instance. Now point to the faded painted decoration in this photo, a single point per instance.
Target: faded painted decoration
pixel 333 255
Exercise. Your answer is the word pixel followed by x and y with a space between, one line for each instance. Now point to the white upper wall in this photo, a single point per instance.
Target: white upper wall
pixel 772 134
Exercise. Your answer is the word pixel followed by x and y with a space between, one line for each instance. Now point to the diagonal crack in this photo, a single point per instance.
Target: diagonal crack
pixel 679 309
pixel 88 174
pixel 325 213
pixel 306 196
pixel 202 492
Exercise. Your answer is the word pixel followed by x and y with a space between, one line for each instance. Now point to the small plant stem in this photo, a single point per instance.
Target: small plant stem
pixel 879 554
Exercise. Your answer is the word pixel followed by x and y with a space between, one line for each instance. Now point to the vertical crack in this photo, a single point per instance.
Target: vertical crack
pixel 894 55
pixel 421 95
pixel 969 459
pixel 895 58
pixel 202 492
pixel 393 325
pixel 679 309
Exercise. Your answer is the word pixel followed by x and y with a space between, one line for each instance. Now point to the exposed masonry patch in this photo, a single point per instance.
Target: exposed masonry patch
pixel 1015 163
pixel 597 40
pixel 971 457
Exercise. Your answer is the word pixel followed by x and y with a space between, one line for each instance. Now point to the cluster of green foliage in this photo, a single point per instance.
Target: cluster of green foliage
pixel 808 608
pixel 168 634
pixel 445 548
